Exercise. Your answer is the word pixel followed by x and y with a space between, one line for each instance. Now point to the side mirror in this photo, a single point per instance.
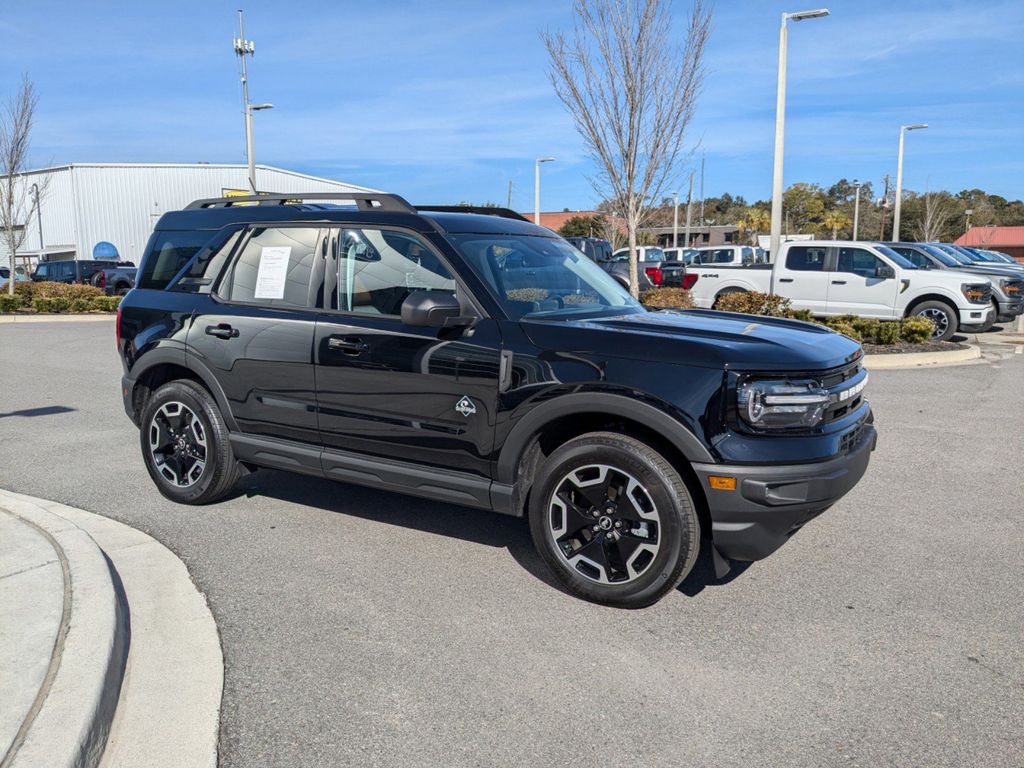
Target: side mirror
pixel 884 271
pixel 434 309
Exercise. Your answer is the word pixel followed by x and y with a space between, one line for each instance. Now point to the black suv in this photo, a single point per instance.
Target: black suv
pixel 478 359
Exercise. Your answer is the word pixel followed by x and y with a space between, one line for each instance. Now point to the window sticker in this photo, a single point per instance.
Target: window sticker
pixel 273 271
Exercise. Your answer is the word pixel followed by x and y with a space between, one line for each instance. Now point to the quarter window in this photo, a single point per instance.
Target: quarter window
pixel 170 252
pixel 805 258
pixel 378 268
pixel 274 267
pixel 858 262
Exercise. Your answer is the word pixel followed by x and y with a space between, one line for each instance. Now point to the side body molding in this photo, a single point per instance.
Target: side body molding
pixel 595 402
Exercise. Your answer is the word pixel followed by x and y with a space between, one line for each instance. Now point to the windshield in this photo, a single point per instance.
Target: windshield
pixel 899 258
pixel 975 254
pixel 952 252
pixel 944 258
pixel 533 277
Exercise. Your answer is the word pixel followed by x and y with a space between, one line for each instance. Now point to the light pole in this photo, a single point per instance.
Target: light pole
pixel 899 180
pixel 689 211
pixel 245 48
pixel 856 207
pixel 536 186
pixel 675 219
pixel 780 125
pixel 967 226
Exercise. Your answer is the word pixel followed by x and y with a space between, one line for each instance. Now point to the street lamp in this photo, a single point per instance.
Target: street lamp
pixel 536 187
pixel 899 180
pixel 245 48
pixel 780 125
pixel 675 219
pixel 856 206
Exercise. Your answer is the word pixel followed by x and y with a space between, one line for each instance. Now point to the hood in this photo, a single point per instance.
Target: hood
pixel 999 270
pixel 702 338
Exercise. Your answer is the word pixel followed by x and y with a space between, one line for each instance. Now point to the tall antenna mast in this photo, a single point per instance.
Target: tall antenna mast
pixel 245 48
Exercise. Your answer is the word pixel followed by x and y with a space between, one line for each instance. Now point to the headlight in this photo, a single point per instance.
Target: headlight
pixel 1012 287
pixel 781 404
pixel 977 293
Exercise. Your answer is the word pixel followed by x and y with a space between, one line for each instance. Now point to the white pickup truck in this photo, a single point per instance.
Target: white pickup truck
pixel 835 277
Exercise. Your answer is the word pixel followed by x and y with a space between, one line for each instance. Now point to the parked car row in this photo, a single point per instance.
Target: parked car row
pixel 114 277
pixel 876 280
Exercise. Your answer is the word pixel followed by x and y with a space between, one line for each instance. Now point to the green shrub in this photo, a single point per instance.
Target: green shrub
pixel 916 330
pixel 867 327
pixel 47 304
pixel 669 298
pixel 9 303
pixel 840 326
pixel 801 314
pixel 888 333
pixel 105 303
pixel 47 290
pixel 754 303
pixel 81 305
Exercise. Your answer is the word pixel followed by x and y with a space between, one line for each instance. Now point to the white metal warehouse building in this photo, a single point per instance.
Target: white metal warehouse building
pixel 83 204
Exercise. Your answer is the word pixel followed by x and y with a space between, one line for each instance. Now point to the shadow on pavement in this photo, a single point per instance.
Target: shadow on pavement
pixel 46 410
pixel 478 526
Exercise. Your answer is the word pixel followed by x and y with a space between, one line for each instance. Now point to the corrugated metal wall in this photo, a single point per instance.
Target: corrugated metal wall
pixel 85 204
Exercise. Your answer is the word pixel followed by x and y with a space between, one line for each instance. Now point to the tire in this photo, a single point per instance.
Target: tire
pixel 726 292
pixel 940 313
pixel 182 428
pixel 122 290
pixel 642 549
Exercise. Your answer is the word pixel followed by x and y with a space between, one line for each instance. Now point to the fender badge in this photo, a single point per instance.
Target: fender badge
pixel 465 406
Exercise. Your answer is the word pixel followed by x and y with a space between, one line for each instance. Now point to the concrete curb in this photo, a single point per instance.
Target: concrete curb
pixel 71 718
pixel 63 318
pixel 168 709
pixel 921 359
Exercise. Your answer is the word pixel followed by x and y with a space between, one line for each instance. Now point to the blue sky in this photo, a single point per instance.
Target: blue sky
pixel 448 101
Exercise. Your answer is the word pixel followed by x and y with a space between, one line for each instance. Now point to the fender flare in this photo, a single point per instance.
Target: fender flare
pixel 590 402
pixel 181 359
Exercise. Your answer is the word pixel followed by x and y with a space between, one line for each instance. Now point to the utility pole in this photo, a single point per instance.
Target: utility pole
pixel 245 48
pixel 689 210
pixel 856 207
pixel 702 189
pixel 885 208
pixel 675 219
pixel 509 205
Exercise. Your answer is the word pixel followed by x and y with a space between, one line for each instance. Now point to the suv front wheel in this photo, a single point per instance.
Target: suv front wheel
pixel 613 520
pixel 185 444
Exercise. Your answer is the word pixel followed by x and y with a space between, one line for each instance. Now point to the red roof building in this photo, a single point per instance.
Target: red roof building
pixel 554 220
pixel 1009 240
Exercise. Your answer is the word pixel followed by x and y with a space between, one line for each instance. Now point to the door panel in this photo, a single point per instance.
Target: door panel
pixel 853 288
pixel 804 280
pixel 262 356
pixel 391 390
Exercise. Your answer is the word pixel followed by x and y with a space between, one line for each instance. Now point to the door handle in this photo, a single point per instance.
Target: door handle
pixel 838 282
pixel 222 331
pixel 350 345
pixel 785 279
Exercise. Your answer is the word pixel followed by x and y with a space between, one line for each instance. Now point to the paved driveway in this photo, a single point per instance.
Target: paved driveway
pixel 362 628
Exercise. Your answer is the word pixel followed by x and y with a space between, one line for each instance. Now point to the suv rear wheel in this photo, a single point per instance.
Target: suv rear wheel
pixel 613 520
pixel 185 444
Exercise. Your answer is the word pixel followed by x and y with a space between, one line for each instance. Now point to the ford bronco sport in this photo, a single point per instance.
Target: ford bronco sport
pixel 472 357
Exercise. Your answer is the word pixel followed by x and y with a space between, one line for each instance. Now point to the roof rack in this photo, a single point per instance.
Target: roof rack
pixel 487 210
pixel 365 201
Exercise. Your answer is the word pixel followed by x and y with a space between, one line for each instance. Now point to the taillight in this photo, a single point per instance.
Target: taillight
pixel 689 279
pixel 117 328
pixel 101 279
pixel 654 274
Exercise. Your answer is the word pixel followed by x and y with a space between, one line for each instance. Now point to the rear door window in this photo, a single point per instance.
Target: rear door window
pixel 805 258
pixel 275 267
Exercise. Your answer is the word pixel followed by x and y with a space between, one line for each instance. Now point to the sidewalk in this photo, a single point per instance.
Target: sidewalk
pixel 109 656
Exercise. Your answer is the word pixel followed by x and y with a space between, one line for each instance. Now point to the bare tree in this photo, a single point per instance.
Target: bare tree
pixel 16 204
pixel 935 216
pixel 631 89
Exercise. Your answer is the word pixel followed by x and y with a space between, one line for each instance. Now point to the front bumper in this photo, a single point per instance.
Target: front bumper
pixel 1008 310
pixel 975 317
pixel 771 503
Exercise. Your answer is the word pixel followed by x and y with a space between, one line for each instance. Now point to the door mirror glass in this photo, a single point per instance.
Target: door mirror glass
pixel 884 271
pixel 432 309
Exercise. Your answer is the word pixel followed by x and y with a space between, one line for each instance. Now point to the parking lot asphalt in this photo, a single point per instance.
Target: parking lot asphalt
pixel 364 628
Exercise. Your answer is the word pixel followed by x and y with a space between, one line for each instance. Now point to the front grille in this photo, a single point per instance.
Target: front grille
pixel 839 382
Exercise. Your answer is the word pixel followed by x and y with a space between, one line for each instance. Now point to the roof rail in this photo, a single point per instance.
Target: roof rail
pixel 365 201
pixel 487 210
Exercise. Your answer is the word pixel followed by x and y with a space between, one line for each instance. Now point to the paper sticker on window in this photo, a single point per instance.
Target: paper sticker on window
pixel 273 272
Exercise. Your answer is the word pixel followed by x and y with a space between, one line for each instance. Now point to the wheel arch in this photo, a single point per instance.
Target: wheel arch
pixel 547 427
pixel 172 367
pixel 919 300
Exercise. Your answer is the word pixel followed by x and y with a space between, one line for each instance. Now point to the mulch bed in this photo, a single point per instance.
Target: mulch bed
pixel 904 347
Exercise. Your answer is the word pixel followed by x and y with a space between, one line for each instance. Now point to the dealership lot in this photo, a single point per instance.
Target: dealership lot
pixel 366 628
